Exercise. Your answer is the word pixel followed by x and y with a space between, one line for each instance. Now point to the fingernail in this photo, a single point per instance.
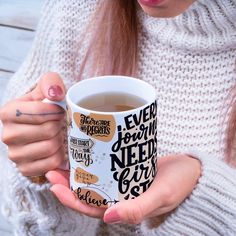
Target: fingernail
pixel 51 189
pixel 112 217
pixel 46 175
pixel 54 91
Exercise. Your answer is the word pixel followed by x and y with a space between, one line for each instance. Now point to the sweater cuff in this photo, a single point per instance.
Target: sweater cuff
pixel 210 209
pixel 32 208
pixel 26 182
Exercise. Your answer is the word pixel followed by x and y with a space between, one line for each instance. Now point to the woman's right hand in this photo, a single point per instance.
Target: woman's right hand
pixel 33 130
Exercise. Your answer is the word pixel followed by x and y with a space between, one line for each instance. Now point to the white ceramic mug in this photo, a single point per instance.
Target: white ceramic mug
pixel 112 154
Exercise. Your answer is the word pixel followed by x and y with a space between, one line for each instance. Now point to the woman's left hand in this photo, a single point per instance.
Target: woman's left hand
pixel 176 178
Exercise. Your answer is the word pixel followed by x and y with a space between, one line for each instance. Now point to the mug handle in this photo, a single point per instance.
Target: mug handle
pixel 62 103
pixel 65 164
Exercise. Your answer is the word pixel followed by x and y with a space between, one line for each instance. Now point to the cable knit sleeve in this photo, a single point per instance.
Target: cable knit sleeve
pixel 210 209
pixel 32 208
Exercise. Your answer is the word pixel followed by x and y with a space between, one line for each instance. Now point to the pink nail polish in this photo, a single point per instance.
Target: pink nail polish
pixel 54 91
pixel 112 217
pixel 46 175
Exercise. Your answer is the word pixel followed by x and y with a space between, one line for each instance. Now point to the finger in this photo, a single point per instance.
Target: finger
pixel 50 86
pixel 58 177
pixel 36 151
pixel 133 211
pixel 161 212
pixel 42 166
pixel 15 134
pixel 30 113
pixel 68 198
pixel 162 196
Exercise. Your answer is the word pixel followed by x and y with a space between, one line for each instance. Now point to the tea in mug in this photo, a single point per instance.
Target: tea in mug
pixel 111 102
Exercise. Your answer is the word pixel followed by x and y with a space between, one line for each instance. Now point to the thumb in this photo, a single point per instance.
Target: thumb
pixel 134 211
pixel 127 211
pixel 49 86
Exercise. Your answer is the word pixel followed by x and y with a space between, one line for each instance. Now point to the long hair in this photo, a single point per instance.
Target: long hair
pixel 230 150
pixel 113 47
pixel 113 50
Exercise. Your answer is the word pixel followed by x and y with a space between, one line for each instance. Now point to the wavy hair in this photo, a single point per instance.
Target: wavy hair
pixel 113 48
pixel 230 141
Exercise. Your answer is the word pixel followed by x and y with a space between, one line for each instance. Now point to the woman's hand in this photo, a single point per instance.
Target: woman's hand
pixel 176 178
pixel 32 130
pixel 60 181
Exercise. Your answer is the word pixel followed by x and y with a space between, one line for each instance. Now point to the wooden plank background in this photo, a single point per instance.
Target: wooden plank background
pixel 18 21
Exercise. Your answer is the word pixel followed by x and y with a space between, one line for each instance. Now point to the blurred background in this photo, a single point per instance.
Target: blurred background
pixel 18 21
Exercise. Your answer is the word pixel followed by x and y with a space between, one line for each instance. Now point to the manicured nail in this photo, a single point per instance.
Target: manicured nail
pixel 51 189
pixel 46 175
pixel 54 91
pixel 112 217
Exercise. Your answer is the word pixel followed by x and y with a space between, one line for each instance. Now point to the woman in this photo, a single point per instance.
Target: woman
pixel 186 49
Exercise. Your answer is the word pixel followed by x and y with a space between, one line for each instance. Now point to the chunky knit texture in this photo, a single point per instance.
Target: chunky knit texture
pixel 190 59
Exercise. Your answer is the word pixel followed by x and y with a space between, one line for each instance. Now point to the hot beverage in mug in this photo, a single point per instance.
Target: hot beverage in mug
pixel 112 138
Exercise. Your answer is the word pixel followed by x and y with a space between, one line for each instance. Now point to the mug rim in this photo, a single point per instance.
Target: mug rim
pixel 74 105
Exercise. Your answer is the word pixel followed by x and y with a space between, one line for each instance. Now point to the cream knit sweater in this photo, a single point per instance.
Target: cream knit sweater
pixel 190 60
